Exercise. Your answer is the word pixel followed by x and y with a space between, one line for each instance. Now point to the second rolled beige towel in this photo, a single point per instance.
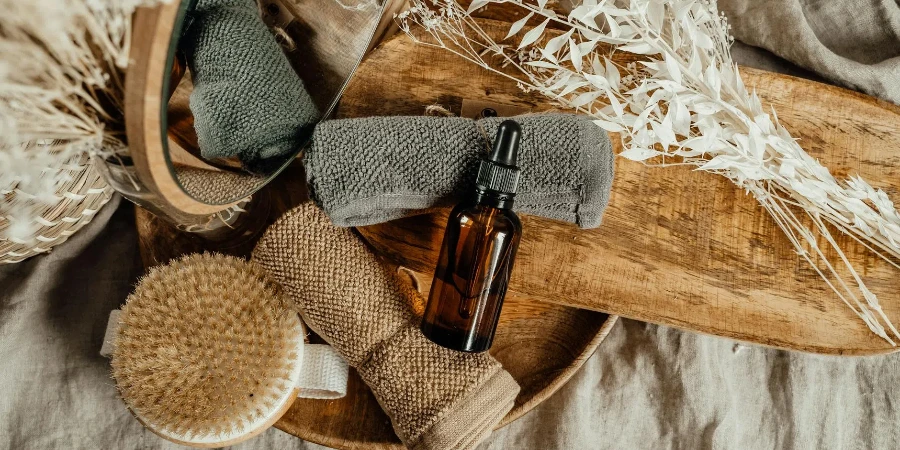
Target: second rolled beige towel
pixel 436 398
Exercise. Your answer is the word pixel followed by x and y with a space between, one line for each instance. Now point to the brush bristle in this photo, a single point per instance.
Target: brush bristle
pixel 206 346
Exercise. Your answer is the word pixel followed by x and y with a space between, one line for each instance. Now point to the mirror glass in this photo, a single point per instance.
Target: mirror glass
pixel 249 81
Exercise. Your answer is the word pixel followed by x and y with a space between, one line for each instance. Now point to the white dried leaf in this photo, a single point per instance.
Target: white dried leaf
pixel 598 81
pixel 681 120
pixel 596 66
pixel 585 48
pixel 707 108
pixel 863 226
pixel 663 131
pixel 609 126
pixel 612 74
pixel 638 154
pixel 614 30
pixel 574 55
pixel 617 107
pixel 642 118
pixel 559 80
pixel 627 120
pixel 757 144
pixel 555 44
pixel 477 4
pixel 713 81
pixel 640 48
pixel 672 68
pixel 681 10
pixel 702 40
pixel 698 145
pixel 695 65
pixel 572 86
pixel 658 95
pixel 534 34
pixel 549 56
pixel 688 153
pixel 655 13
pixel 651 66
pixel 617 12
pixel 722 162
pixel 584 99
pixel 676 38
pixel 542 64
pixel 590 35
pixel 586 13
pixel 518 25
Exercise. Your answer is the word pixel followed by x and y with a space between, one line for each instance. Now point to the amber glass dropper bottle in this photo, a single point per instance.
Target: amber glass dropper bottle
pixel 477 254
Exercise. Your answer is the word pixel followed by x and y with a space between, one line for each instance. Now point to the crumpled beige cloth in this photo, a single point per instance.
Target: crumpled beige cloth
pixel 854 43
pixel 654 387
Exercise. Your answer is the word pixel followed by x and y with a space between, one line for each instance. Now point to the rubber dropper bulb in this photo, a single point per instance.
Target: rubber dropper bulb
pixel 506 143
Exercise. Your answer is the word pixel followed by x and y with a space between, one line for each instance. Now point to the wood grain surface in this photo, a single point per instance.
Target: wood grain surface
pixel 676 247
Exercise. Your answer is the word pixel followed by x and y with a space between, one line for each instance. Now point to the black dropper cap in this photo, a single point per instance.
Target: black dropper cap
pixel 498 175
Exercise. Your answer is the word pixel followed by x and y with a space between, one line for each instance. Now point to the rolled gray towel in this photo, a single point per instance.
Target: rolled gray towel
pixel 372 170
pixel 248 102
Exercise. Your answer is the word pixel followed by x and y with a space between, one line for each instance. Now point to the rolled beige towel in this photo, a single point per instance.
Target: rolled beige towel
pixel 436 398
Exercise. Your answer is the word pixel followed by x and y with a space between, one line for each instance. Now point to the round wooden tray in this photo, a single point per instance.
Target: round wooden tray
pixel 541 344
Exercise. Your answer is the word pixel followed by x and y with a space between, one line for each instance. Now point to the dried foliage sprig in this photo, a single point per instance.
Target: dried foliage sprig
pixel 61 85
pixel 681 103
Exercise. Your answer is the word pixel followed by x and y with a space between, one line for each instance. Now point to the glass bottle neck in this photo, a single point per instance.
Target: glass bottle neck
pixel 495 199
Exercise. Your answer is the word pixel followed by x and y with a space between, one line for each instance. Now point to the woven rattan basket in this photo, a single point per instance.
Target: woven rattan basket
pixel 79 200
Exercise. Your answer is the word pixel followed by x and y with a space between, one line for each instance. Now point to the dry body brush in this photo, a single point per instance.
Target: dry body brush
pixel 208 352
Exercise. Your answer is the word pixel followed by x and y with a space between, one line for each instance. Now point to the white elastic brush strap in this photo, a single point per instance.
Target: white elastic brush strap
pixel 321 373
pixel 112 327
pixel 324 373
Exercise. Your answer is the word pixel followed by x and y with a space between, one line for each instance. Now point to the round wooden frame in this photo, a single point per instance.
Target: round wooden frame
pixel 145 85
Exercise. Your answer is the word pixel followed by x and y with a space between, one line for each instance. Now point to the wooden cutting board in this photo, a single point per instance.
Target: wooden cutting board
pixel 677 247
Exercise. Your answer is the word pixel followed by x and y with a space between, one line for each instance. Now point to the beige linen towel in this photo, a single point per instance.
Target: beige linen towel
pixel 854 43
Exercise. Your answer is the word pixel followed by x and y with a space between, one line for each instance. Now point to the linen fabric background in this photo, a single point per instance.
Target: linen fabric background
pixel 646 387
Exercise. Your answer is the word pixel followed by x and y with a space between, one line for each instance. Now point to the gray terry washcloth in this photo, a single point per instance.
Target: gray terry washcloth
pixel 372 170
pixel 247 101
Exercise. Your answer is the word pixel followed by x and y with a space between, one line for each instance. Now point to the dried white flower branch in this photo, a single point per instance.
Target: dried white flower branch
pixel 682 103
pixel 61 80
